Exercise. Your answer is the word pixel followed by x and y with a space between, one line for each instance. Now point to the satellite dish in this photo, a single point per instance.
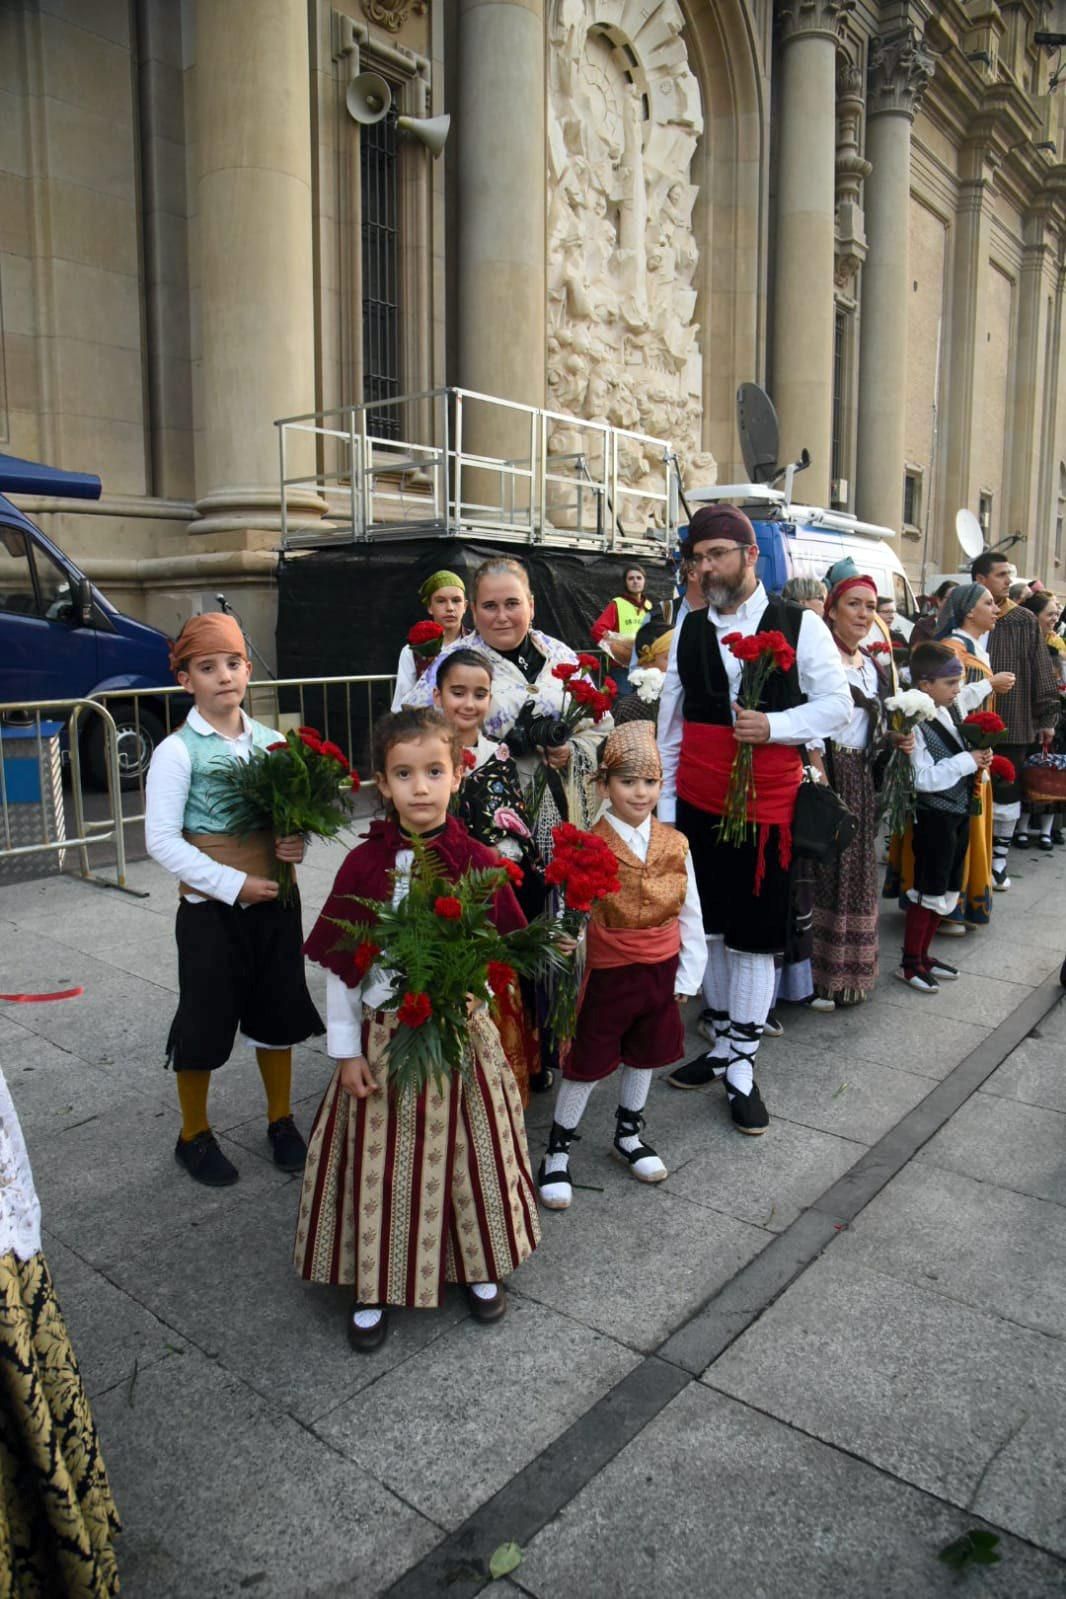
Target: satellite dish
pixel 759 433
pixel 368 98
pixel 969 534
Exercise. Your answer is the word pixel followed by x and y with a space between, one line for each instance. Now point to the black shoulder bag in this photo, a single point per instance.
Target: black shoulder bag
pixel 822 825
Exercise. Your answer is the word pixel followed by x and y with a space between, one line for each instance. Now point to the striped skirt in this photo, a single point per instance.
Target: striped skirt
pixel 405 1193
pixel 845 893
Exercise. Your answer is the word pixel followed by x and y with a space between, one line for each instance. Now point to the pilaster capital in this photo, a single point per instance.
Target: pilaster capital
pixel 900 70
pixel 799 19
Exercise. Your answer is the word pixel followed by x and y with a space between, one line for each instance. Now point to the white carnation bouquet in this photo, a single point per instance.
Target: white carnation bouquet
pixel 648 682
pixel 898 798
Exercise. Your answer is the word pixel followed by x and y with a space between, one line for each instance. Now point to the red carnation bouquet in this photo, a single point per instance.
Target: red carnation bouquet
pixel 759 655
pixel 441 951
pixel 301 784
pixel 426 640
pixel 983 730
pixel 583 701
pixel 583 869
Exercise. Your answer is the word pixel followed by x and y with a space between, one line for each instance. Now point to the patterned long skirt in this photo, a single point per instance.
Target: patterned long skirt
pixel 844 956
pixel 57 1517
pixel 404 1193
pixel 975 899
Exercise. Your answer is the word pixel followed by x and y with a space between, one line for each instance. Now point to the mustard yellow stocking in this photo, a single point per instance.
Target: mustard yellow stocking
pixel 192 1097
pixel 275 1068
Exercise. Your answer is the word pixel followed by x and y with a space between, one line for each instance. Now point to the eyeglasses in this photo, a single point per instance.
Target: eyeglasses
pixel 713 556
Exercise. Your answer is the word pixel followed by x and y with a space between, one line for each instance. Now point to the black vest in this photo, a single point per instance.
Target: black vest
pixel 941 747
pixel 702 672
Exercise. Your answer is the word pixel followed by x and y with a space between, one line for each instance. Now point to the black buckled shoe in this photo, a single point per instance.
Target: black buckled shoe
pixel 364 1340
pixel 290 1151
pixel 487 1310
pixel 554 1187
pixel 749 1113
pixel 205 1162
pixel 696 1073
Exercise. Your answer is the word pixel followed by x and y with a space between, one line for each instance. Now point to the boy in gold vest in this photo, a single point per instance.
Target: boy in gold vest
pixel 240 951
pixel 646 955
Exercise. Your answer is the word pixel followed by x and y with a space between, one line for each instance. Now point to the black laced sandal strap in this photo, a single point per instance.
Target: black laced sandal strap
pixel 630 1124
pixel 560 1139
pixel 753 1031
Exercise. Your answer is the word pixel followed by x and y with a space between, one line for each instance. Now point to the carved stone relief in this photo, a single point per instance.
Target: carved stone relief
pixel 624 119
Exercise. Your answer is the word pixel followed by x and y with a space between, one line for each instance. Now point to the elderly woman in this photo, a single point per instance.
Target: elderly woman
pixel 845 890
pixel 806 591
pixel 444 596
pixel 527 698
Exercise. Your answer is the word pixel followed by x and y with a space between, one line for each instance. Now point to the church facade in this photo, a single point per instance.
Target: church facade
pixel 641 204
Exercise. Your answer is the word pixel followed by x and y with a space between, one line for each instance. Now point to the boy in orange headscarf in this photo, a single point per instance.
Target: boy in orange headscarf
pixel 646 955
pixel 240 952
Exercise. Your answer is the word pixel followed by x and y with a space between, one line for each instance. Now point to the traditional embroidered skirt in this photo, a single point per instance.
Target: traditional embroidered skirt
pixel 57 1517
pixel 975 899
pixel 844 955
pixel 404 1193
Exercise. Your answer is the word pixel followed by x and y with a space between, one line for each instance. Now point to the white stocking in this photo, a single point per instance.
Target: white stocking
pixel 716 994
pixel 751 992
pixel 633 1086
pixel 571 1101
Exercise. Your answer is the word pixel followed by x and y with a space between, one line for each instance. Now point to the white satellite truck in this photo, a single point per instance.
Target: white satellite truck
pixel 800 540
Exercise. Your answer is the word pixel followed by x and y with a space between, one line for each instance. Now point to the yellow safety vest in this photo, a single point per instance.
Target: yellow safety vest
pixel 630 619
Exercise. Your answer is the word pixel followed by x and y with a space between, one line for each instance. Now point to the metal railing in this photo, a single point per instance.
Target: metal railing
pixel 51 818
pixel 455 462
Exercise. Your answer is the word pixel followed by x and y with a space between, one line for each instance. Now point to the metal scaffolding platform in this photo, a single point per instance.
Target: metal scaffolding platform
pixel 457 464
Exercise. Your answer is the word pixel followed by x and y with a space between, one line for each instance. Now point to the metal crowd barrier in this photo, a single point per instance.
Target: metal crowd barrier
pixel 45 815
pixel 343 709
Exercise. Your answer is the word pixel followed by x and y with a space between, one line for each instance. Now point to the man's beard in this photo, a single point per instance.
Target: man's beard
pixel 717 592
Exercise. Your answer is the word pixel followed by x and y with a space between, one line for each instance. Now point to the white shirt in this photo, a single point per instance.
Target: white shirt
pixel 167 792
pixel 406 677
pixel 821 675
pixel 693 957
pixel 931 776
pixel 344 1005
pixel 856 735
pixel 20 1210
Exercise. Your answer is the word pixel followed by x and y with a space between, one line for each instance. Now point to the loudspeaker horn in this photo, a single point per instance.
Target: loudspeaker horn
pixel 368 98
pixel 430 131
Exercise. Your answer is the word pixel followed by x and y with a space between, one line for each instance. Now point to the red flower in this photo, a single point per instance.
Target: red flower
pixel 514 872
pixel 309 732
pixel 583 866
pixel 469 760
pixel 424 633
pixel 365 956
pixel 564 671
pixel 985 722
pixel 310 740
pixel 353 779
pixel 414 1010
pixel 501 976
pixel 588 662
pixel 610 688
pixel 1002 769
pixel 282 744
pixel 448 907
pixel 879 649
pixel 335 753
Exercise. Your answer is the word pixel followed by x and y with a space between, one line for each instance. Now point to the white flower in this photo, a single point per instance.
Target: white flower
pixel 912 705
pixel 648 682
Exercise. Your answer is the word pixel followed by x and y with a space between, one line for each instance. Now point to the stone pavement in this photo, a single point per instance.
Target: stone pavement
pixel 801 1366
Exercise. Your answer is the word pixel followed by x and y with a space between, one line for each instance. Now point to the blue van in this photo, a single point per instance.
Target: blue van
pixel 61 639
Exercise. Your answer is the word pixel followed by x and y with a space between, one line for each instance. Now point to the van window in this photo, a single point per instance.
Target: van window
pixel 905 602
pixel 53 587
pixel 17 594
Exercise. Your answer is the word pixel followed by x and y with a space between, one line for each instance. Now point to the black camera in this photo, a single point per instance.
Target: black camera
pixel 531 733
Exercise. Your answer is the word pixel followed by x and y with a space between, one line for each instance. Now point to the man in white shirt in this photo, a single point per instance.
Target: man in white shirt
pixel 744 887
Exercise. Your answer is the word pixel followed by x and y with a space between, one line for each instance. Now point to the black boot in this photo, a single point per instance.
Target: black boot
pixel 555 1188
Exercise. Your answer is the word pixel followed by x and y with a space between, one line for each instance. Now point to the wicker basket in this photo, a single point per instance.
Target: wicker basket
pixel 1044 785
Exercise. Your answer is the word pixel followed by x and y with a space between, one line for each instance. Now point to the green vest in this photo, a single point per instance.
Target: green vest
pixel 630 618
pixel 207 752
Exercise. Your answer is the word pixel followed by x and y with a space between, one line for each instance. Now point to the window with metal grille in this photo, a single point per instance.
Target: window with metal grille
pixel 837 472
pixel 381 282
pixel 912 498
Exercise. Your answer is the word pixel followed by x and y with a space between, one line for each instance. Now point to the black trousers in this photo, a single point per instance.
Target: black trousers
pixel 756 924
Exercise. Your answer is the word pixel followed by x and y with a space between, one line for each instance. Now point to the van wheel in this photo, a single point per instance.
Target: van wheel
pixel 138 736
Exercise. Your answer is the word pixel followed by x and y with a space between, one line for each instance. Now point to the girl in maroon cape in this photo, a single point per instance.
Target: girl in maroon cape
pixel 404 1193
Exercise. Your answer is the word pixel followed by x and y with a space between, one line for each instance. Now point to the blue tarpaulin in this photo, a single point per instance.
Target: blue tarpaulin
pixel 30 477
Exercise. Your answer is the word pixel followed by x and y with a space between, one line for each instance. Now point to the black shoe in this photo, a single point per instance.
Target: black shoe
pixel 695 1073
pixel 1044 842
pixel 542 1082
pixel 555 1187
pixel 749 1113
pixel 1021 841
pixel 290 1151
pixel 364 1340
pixel 205 1162
pixel 1058 836
pixel 488 1309
pixel 772 1026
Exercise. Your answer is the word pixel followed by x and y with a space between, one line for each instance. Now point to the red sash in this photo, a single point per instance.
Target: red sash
pixel 703 770
pixel 628 946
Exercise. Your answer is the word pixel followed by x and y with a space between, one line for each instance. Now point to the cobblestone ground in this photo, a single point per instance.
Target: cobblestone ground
pixel 801 1366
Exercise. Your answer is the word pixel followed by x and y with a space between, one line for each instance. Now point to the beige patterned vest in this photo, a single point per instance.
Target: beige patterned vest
pixel 652 891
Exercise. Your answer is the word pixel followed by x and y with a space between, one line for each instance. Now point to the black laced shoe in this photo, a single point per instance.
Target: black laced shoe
pixel 364 1340
pixel 290 1151
pixel 555 1188
pixel 643 1161
pixel 695 1073
pixel 205 1162
pixel 487 1310
pixel 749 1113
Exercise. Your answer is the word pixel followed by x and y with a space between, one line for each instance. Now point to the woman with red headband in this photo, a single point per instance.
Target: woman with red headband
pixel 845 889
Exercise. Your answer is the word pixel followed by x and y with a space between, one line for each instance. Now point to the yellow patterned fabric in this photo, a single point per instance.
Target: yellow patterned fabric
pixel 402 1194
pixel 653 891
pixel 57 1517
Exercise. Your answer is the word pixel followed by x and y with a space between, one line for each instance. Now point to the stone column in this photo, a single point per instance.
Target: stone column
pixel 501 194
pixel 900 68
pixel 254 243
pixel 803 259
pixel 1027 447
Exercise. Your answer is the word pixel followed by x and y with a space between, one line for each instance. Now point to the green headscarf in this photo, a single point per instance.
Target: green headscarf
pixel 440 580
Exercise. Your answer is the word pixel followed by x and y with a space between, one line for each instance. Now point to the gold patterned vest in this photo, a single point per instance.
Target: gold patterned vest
pixel 652 891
